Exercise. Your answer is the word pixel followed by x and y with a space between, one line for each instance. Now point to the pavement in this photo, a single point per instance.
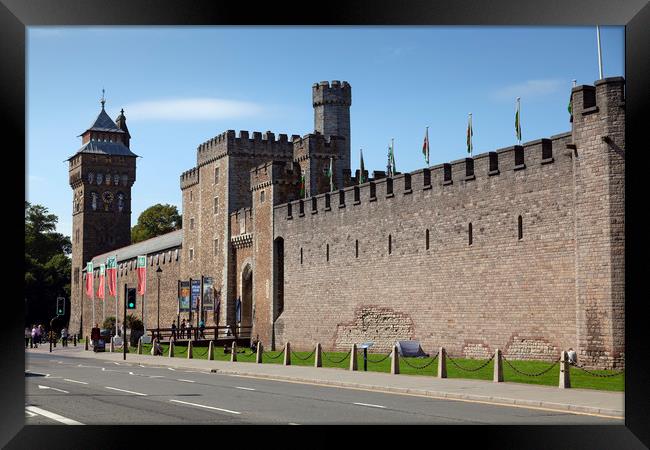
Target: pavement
pixel 580 401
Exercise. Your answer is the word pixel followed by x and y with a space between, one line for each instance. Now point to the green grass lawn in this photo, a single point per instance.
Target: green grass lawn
pixel 579 379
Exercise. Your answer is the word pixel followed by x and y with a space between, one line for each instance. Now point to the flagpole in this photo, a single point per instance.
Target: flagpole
pixel 470 132
pixel 92 279
pixel 117 290
pixel 600 56
pixel 104 299
pixel 519 120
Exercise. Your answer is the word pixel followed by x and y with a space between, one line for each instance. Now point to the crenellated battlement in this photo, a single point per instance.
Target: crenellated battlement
pixel 245 143
pixel 527 159
pixel 316 145
pixel 241 222
pixel 337 92
pixel 189 178
pixel 274 172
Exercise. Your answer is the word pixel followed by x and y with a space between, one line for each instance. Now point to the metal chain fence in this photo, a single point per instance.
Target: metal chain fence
pixel 339 361
pixel 470 370
pixel 419 367
pixel 305 358
pixel 379 360
pixel 600 375
pixel 245 355
pixel 273 357
pixel 530 374
pixel 200 355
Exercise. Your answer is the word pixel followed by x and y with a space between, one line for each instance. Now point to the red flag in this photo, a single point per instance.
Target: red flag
pixel 89 279
pixel 100 288
pixel 111 273
pixel 141 268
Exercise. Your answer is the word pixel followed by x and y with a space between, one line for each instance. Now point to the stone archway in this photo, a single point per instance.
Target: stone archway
pixel 246 314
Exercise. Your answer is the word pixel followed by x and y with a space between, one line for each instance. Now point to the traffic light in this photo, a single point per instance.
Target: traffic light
pixel 60 306
pixel 130 298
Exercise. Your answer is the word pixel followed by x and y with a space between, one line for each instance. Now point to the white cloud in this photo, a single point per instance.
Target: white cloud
pixel 191 109
pixel 528 89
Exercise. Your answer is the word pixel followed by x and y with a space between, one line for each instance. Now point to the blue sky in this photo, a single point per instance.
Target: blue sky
pixel 180 86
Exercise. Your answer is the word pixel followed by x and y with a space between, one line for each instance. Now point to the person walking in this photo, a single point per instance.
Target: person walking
pixel 174 329
pixel 182 333
pixel 41 333
pixel 34 337
pixel 28 336
pixel 201 329
pixel 64 337
pixel 189 330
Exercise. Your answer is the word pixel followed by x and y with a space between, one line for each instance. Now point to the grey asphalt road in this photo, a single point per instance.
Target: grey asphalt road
pixel 62 390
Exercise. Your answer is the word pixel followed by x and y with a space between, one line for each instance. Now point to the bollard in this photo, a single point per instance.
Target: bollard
pixel 189 350
pixel 498 367
pixel 442 363
pixel 233 352
pixel 287 354
pixel 394 361
pixel 260 351
pixel 139 352
pixel 111 348
pixel 211 351
pixel 318 360
pixel 154 341
pixel 565 379
pixel 171 347
pixel 353 357
pixel 74 339
pixel 86 343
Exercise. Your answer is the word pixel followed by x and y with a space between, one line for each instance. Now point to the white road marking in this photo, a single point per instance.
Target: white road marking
pixel 52 415
pixel 92 367
pixel 170 368
pixel 54 389
pixel 30 414
pixel 75 381
pixel 38 373
pixel 204 406
pixel 122 390
pixel 187 381
pixel 368 404
pixel 292 423
pixel 244 388
pixel 155 376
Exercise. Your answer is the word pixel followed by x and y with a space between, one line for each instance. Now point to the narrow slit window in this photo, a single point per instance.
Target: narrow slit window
pixel 426 239
pixel 520 227
pixel 407 181
pixel 301 207
pixel 470 233
pixel 390 244
pixel 327 252
pixel 341 198
pixel 289 210
pixel 300 255
pixel 357 195
pixel 389 186
pixel 356 248
pixel 327 200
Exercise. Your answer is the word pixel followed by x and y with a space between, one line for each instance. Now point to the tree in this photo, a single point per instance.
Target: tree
pixel 154 221
pixel 47 265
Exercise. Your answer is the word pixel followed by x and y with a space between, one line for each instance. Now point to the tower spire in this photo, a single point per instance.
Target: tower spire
pixel 103 100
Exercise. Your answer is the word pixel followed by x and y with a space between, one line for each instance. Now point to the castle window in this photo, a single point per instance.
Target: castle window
pixel 426 239
pixel 289 210
pixel 426 178
pixel 446 169
pixel 216 175
pixel 327 252
pixel 191 197
pixel 470 233
pixel 356 248
pixel 216 247
pixel 547 151
pixel 341 198
pixel 389 186
pixel 216 205
pixel 519 157
pixel 192 223
pixel 520 227
pixel 373 191
pixel 357 195
pixel 158 259
pixel 301 208
pixel 151 260
pixel 407 182
pixel 176 255
pixel 327 201
pixel 300 255
pixel 314 204
pixel 169 256
pixel 494 163
pixel 191 254
pixel 262 197
pixel 390 244
pixel 469 168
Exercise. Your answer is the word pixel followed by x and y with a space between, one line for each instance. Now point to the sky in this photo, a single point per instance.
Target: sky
pixel 180 86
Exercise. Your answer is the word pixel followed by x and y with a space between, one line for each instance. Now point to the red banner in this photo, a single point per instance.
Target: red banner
pixel 111 274
pixel 89 279
pixel 141 268
pixel 102 277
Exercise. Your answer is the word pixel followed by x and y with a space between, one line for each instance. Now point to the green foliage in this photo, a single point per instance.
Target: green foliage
pixel 109 323
pixel 134 323
pixel 156 220
pixel 47 265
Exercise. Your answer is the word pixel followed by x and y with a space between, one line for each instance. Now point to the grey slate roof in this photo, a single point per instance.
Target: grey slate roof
pixel 104 123
pixel 106 148
pixel 153 245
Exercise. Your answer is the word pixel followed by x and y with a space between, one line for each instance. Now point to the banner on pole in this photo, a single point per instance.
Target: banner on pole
pixel 195 293
pixel 141 268
pixel 90 275
pixel 208 294
pixel 111 274
pixel 184 297
pixel 102 282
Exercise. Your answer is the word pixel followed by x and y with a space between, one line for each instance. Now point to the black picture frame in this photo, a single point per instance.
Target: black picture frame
pixel 16 15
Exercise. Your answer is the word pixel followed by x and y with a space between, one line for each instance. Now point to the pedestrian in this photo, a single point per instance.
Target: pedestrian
pixel 254 343
pixel 64 337
pixel 189 330
pixel 573 357
pixel 41 333
pixel 28 336
pixel 182 333
pixel 174 329
pixel 201 328
pixel 156 350
pixel 34 337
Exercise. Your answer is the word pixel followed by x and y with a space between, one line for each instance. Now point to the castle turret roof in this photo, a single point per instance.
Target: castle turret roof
pixel 103 122
pixel 106 148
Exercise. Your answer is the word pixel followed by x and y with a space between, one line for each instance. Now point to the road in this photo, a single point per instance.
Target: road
pixel 63 390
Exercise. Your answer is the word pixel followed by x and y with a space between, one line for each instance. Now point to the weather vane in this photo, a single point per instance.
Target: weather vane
pixel 103 100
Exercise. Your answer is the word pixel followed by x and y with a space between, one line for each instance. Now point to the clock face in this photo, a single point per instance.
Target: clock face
pixel 107 196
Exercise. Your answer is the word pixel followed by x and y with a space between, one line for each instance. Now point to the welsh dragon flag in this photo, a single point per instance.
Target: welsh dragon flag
pixel 89 280
pixel 330 174
pixel 102 282
pixel 111 274
pixel 470 133
pixel 302 185
pixel 141 268
pixel 425 146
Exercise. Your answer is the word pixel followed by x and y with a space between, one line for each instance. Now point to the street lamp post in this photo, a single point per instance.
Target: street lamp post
pixel 158 272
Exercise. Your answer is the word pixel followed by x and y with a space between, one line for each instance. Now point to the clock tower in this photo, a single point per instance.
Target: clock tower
pixel 101 174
